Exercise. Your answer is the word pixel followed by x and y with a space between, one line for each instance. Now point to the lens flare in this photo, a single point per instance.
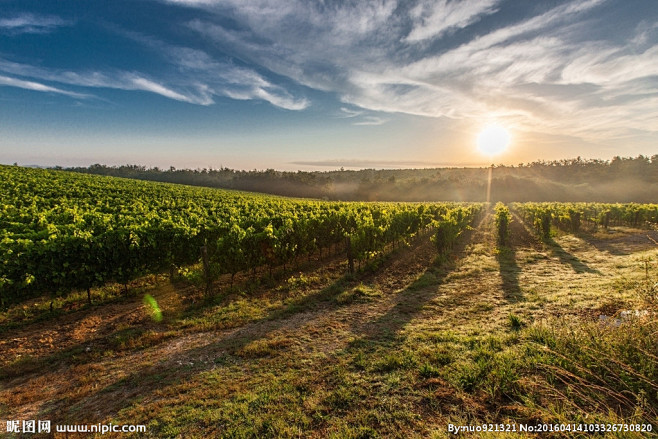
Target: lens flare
pixel 152 305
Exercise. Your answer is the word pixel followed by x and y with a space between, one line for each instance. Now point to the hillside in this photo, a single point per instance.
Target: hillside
pixel 62 231
pixel 619 180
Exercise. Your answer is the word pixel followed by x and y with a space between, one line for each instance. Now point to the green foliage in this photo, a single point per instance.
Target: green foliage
pixel 570 217
pixel 451 225
pixel 429 371
pixel 574 220
pixel 62 231
pixel 502 220
pixel 361 293
pixel 515 321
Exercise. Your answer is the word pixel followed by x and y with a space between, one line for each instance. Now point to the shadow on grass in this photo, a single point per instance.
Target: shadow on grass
pixel 231 345
pixel 235 346
pixel 411 301
pixel 381 347
pixel 172 369
pixel 408 303
pixel 621 244
pixel 520 237
pixel 145 334
pixel 509 274
pixel 567 258
pixel 70 307
pixel 120 340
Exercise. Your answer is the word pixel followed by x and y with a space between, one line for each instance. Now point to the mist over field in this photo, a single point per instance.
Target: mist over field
pixel 619 180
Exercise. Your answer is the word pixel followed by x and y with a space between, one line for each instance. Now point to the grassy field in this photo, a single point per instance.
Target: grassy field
pixel 527 333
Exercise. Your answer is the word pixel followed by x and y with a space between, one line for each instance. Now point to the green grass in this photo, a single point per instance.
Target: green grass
pixel 515 322
pixel 362 293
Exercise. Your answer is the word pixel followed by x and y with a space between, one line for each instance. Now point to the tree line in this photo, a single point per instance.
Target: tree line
pixel 622 179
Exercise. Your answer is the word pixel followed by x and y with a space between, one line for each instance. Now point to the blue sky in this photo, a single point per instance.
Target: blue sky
pixel 292 84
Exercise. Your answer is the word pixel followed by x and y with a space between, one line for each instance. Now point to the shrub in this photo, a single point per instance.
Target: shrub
pixel 503 219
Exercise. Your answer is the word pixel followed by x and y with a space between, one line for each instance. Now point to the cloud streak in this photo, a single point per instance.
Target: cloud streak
pixel 356 163
pixel 93 79
pixel 360 118
pixel 435 18
pixel 212 78
pixel 31 24
pixel 35 86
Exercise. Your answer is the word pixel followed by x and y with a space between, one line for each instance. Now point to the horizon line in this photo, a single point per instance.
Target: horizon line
pixel 388 165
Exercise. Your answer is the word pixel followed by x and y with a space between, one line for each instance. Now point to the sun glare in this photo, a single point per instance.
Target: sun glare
pixel 493 140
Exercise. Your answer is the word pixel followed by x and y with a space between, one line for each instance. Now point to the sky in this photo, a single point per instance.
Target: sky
pixel 324 84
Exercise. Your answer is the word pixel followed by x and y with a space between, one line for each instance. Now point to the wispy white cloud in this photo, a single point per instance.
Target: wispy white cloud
pixel 542 70
pixel 349 112
pixel 279 99
pixel 208 80
pixel 36 86
pixel 139 83
pixel 435 18
pixel 194 77
pixel 31 24
pixel 314 43
pixel 360 117
pixel 196 2
pixel 371 120
pixel 611 65
pixel 119 80
pixel 226 79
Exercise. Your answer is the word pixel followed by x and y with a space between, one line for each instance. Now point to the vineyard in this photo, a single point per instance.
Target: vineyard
pixel 281 317
pixel 64 231
pixel 570 217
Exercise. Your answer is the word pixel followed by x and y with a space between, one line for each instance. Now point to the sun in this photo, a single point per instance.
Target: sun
pixel 493 140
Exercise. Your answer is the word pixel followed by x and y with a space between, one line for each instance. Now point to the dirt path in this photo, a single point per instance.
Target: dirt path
pixel 61 385
pixel 90 327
